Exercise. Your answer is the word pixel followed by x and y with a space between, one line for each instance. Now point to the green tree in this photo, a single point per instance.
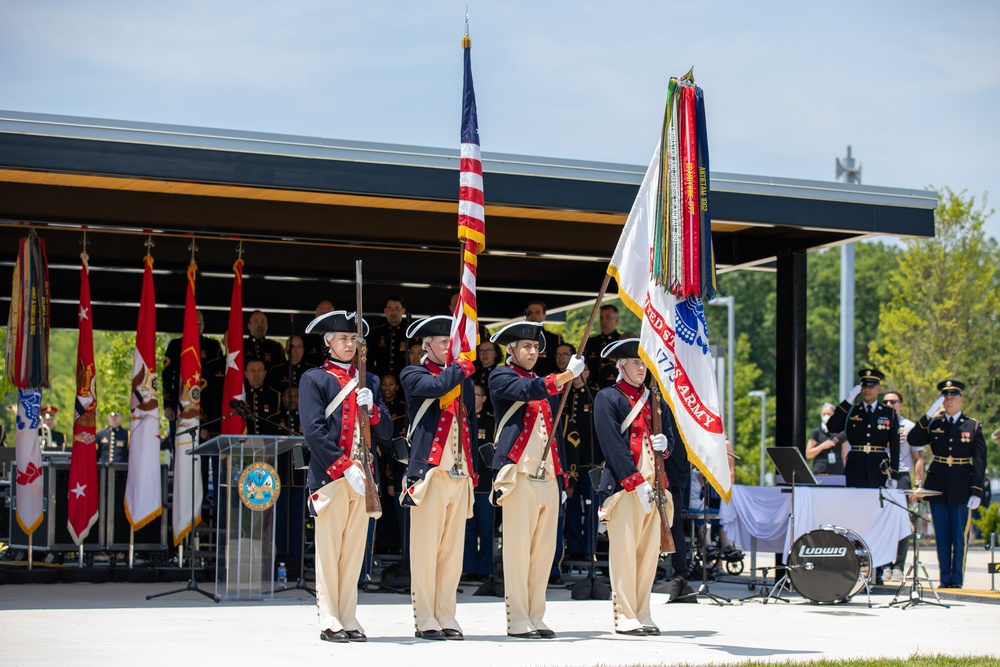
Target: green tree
pixel 942 320
pixel 747 376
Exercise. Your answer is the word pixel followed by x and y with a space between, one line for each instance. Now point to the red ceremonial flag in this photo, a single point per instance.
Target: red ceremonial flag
pixel 84 493
pixel 187 472
pixel 143 489
pixel 233 384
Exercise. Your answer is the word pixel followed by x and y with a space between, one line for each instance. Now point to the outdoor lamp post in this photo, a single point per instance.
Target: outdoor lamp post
pixel 763 429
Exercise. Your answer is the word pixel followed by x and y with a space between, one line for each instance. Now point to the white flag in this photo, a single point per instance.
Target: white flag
pixel 28 456
pixel 673 340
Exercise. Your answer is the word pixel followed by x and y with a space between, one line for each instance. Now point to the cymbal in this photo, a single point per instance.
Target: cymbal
pixel 921 492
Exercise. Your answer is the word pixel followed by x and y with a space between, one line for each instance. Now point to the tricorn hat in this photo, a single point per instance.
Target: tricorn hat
pixel 336 321
pixel 520 331
pixel 623 348
pixel 436 325
pixel 951 387
pixel 871 377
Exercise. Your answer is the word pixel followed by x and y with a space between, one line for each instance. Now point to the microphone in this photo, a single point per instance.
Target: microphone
pixel 237 404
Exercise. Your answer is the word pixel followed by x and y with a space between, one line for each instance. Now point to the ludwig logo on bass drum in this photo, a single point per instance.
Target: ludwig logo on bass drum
pixel 823 552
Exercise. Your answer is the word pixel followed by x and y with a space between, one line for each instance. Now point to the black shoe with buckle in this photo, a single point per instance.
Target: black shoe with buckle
pixel 454 635
pixel 429 634
pixel 638 632
pixel 530 634
pixel 339 636
pixel 356 636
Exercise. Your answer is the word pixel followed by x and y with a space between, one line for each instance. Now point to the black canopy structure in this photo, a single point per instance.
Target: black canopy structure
pixel 306 208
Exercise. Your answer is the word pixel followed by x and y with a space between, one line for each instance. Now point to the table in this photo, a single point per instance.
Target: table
pixel 760 514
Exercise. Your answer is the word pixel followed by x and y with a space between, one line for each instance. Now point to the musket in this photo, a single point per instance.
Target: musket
pixel 373 505
pixel 660 491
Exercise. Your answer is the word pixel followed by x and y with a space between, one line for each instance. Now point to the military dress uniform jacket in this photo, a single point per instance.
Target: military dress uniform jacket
pixel 113 441
pixel 430 381
pixel 509 384
pixel 209 349
pixel 874 432
pixel 388 348
pixel 265 402
pixel 331 439
pixel 267 350
pixel 603 372
pixel 622 451
pixel 578 429
pixel 286 375
pixel 963 446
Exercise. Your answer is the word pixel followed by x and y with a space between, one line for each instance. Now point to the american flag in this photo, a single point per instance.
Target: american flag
pixel 471 221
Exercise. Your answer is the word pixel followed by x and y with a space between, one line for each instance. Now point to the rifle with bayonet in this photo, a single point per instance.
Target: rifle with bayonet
pixel 373 505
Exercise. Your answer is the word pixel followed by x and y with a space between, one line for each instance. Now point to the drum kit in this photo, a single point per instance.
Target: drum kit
pixel 833 564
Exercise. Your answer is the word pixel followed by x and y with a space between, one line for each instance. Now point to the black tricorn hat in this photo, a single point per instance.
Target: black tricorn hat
pixel 623 348
pixel 520 331
pixel 336 321
pixel 871 376
pixel 951 387
pixel 437 325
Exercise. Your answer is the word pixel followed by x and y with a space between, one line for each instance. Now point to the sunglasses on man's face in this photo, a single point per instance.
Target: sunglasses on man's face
pixel 890 401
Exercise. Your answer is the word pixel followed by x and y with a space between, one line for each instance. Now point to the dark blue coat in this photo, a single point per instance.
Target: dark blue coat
pixel 328 453
pixel 419 384
pixel 963 440
pixel 879 429
pixel 506 388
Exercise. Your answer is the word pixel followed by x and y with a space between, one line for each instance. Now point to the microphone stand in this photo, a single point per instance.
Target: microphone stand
pixel 301 584
pixel 192 584
pixel 916 595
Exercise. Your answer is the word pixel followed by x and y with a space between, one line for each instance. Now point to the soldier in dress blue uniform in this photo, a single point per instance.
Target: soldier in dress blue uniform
pixel 440 476
pixel 389 345
pixel 263 401
pixel 527 486
pixel 256 346
pixel 287 374
pixel 623 421
pixel 957 469
pixel 872 431
pixel 329 405
pixel 112 442
pixel 602 371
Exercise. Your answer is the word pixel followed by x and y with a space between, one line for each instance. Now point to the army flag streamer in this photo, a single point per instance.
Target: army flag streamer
pixel 187 469
pixel 471 226
pixel 143 490
pixel 233 383
pixel 664 268
pixel 27 369
pixel 82 498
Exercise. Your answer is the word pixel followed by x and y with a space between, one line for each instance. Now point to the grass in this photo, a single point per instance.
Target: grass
pixel 913 661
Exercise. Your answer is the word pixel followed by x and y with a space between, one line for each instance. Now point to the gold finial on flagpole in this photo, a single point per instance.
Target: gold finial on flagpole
pixel 193 247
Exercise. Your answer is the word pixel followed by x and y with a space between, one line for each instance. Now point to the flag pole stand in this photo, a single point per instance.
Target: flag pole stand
pixel 192 584
pixel 31 551
pixel 131 548
pixel 79 554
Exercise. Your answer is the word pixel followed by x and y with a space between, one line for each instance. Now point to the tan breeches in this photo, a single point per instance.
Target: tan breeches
pixel 633 550
pixel 341 527
pixel 530 519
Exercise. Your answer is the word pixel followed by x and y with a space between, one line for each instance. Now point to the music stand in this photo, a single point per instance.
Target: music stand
pixel 792 467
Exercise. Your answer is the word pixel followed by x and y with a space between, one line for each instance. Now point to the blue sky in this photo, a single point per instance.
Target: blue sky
pixel 914 87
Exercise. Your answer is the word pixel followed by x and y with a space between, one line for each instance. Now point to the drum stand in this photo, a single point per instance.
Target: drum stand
pixel 785 581
pixel 913 574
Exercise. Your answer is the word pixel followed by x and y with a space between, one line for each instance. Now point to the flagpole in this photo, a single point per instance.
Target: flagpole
pixel 461 304
pixel 131 547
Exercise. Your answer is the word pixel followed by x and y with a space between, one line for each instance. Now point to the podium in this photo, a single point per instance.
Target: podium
pixel 247 489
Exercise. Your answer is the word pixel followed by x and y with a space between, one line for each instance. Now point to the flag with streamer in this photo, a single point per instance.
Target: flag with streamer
pixel 83 495
pixel 27 357
pixel 143 486
pixel 664 268
pixel 471 226
pixel 187 474
pixel 233 383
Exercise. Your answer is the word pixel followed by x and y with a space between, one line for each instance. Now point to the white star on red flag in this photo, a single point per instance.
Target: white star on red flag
pixel 80 490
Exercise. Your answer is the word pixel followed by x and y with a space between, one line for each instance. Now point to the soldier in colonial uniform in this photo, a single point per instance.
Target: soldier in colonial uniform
pixel 112 442
pixel 872 431
pixel 263 401
pixel 957 469
pixel 623 420
pixel 256 346
pixel 388 347
pixel 329 403
pixel 440 477
pixel 602 371
pixel 529 478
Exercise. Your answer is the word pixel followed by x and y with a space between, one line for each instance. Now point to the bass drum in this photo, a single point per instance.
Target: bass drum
pixel 841 564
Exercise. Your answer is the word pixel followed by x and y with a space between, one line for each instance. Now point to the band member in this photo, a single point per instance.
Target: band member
pixel 623 421
pixel 112 442
pixel 957 470
pixel 529 479
pixel 440 476
pixel 329 405
pixel 872 431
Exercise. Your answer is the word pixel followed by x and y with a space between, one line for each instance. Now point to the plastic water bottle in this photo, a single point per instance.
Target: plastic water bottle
pixel 282 576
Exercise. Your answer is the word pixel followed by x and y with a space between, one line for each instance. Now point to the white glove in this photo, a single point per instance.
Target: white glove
pixel 356 479
pixel 891 483
pixel 659 442
pixel 366 399
pixel 576 366
pixel 563 497
pixel 645 495
pixel 974 502
pixel 853 392
pixel 931 411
